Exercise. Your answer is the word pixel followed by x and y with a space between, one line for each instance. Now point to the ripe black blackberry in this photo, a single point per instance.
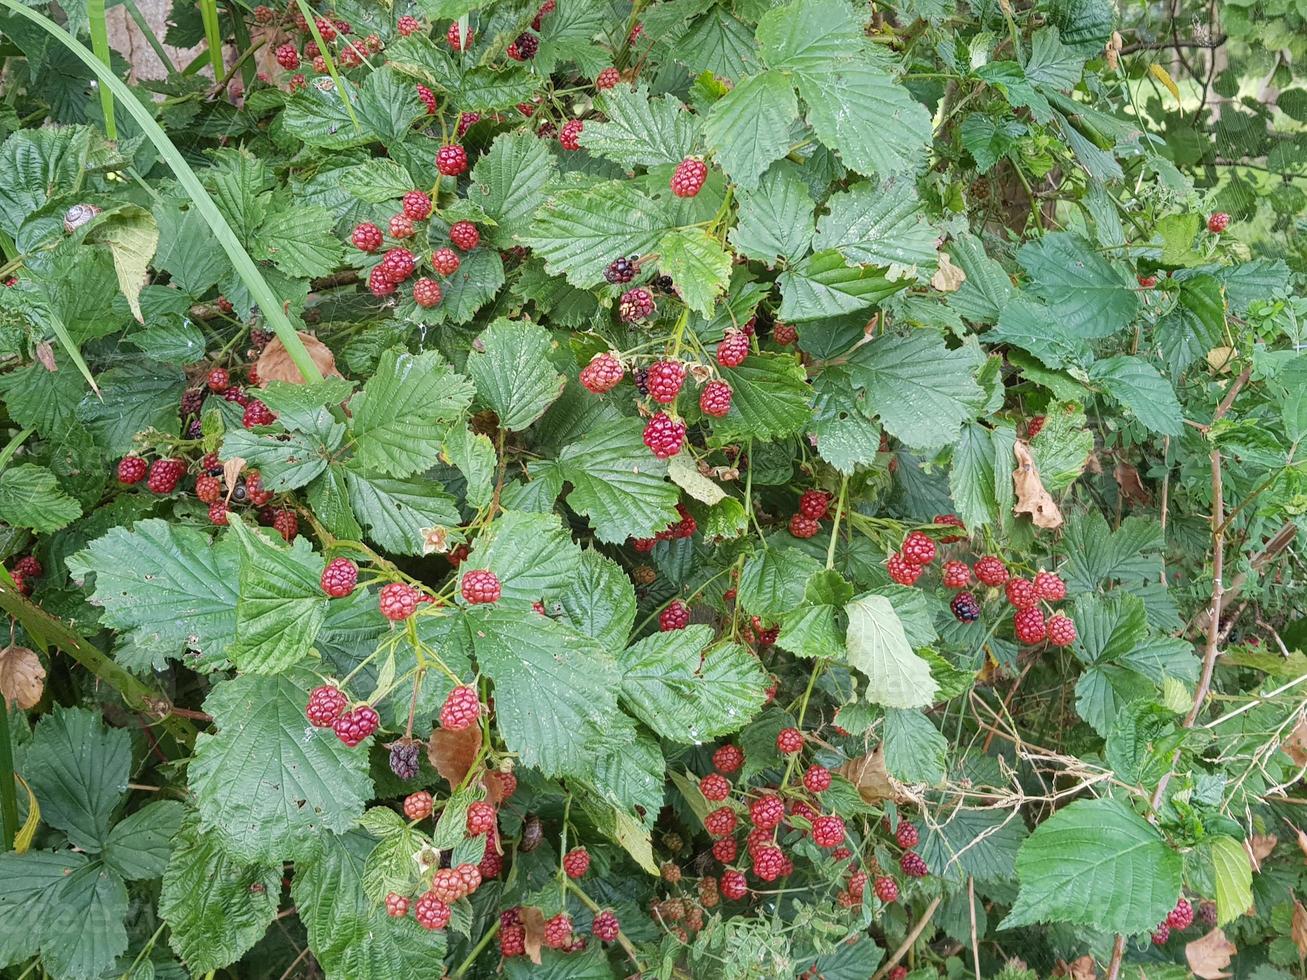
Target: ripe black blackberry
pixel 622 269
pixel 404 759
pixel 662 284
pixel 641 379
pixel 192 401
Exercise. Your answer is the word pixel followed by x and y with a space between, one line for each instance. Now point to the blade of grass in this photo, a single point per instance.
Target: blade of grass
pixel 70 348
pixel 243 45
pixel 100 45
pixel 259 289
pixel 8 795
pixel 212 35
pixel 325 51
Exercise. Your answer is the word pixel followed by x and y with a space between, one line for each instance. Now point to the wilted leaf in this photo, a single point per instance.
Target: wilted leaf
pixel 274 364
pixel 533 921
pixel 1209 955
pixel 452 752
pixel 1132 487
pixel 1299 928
pixel 1295 746
pixel 22 678
pixel 1032 498
pixel 1259 847
pixel 869 775
pixel 948 278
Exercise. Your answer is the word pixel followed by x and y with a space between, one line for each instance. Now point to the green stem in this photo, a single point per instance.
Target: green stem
pixel 835 527
pixel 8 794
pixel 260 291
pixel 478 949
pixel 7 453
pixel 100 45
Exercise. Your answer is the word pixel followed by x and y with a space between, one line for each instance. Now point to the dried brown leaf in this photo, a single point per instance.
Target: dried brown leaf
pixel 1209 955
pixel 45 355
pixel 1295 746
pixel 1298 929
pixel 231 471
pixel 869 775
pixel 274 364
pixel 452 752
pixel 1079 969
pixel 22 678
pixel 1032 498
pixel 948 278
pixel 1302 841
pixel 1132 487
pixel 1259 847
pixel 533 921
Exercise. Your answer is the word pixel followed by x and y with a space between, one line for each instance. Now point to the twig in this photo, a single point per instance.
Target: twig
pixel 1118 951
pixel 295 962
pixel 908 940
pixel 975 938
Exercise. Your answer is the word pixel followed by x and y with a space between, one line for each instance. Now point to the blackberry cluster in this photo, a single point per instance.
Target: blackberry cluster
pixel 623 269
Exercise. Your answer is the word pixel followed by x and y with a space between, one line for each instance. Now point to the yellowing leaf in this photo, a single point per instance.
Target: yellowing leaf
pixel 878 646
pixel 1164 76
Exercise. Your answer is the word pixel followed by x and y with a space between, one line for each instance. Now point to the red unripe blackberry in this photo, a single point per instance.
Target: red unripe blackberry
pixel 28 567
pixel 326 28
pixel 605 927
pixel 1147 282
pixel 398 264
pixel 1028 624
pixel 768 863
pixel 256 413
pixel 445 261
pixel 814 504
pixel 320 65
pixel 428 98
pixel 664 435
pixel 480 586
pixel 558 931
pixel 451 160
pixel 569 137
pixel 288 57
pixel 991 570
pixel 452 37
pixel 132 469
pixel 918 548
pixel 326 703
pixel 1218 222
pixel 354 726
pixel 1050 587
pixel 720 822
pixel 603 373
pixel 784 334
pixel 898 973
pixel 417 806
pixel 950 520
pixel 492 863
pixel 608 78
pixel 339 577
pixel 789 740
pixel 576 862
pixel 675 617
pixel 714 788
pixel 218 380
pixel 956 575
pixel 401 227
pixel 804 527
pixel 379 284
pixel 816 779
pixel 431 912
pixel 398 601
pixel 733 885
pixel 396 906
pixel 1061 631
pixel 906 835
pixel 857 883
pixel 461 709
pixel 447 886
pixel 458 555
pixel 688 177
pixel 480 818
pixel 901 570
pixel 417 205
pixel 407 25
pixel 665 380
pixel 715 399
pixel 1181 916
pixel 912 864
pixel 464 234
pixel 828 831
pixel 887 889
pixel 1161 934
pixel 285 523
pixel 471 876
pixel 218 513
pixel 635 305
pixel 164 475
pixel 725 850
pixel 427 293
pixel 512 937
pixel 733 349
pixel 965 608
pixel 208 488
pixel 728 758
pixel 767 812
pixel 1035 426
pixel 1021 593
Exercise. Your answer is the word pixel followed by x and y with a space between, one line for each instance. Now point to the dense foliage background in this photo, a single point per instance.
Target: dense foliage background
pixel 707 488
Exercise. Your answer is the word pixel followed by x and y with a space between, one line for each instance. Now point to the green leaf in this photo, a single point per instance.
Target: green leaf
pixel 37 165
pixel 982 843
pixel 139 396
pixel 349 933
pixel 85 935
pixel 388 105
pixel 617 483
pixel 638 130
pixel 578 231
pixel 846 437
pixel 1095 552
pixel 921 390
pixel 166 588
pixel 878 647
pixel 1110 627
pixel 555 690
pixel 1196 325
pixel 1087 295
pixel 139 845
pixel 43 400
pixel 915 751
pixel 1137 386
pixel 698 265
pixel 532 555
pixel 823 285
pixel 1104 690
pixel 750 127
pixel 808 35
pixel 632 774
pixel 989 140
pixel 775 218
pixel 285 460
pixel 987 288
pixel 510 365
pixel 1293 406
pixel 131 236
pixel 879 224
pixel 281 605
pixel 509 181
pixel 769 399
pixel 688 692
pixel 589 965
pixel 1062 457
pixel 396 512
pixel 1051 62
pixel 216 907
pixel 1234 878
pixel 29 884
pixel 478 280
pixel 1032 326
pixel 980 479
pixel 599 600
pixel 300 240
pixel 267 786
pixel 1096 863
pixel 375 181
pixel 399 415
pixel 474 456
pixel 78 770
pixel 719 43
pixel 30 497
pixel 772 581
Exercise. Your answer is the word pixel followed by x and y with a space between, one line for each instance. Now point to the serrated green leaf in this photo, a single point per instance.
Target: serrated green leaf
pixel 878 224
pixel 599 600
pixel 823 285
pixel 808 35
pixel 980 479
pixel 510 366
pixel 698 265
pixel 510 181
pixel 29 884
pixel 772 581
pixel 396 512
pixel 474 456
pixel 617 483
pixel 769 399
pixel 85 933
pixel 1137 386
pixel 138 845
pixel 131 235
pixel 750 127
pixel 281 605
pixel 638 130
pixel 1234 878
pixel 1087 295
pixel 878 647
pixel 30 497
pixel 775 218
pixel 532 555
pixel 284 460
pixel 133 398
pixel 78 770
pixel 915 751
